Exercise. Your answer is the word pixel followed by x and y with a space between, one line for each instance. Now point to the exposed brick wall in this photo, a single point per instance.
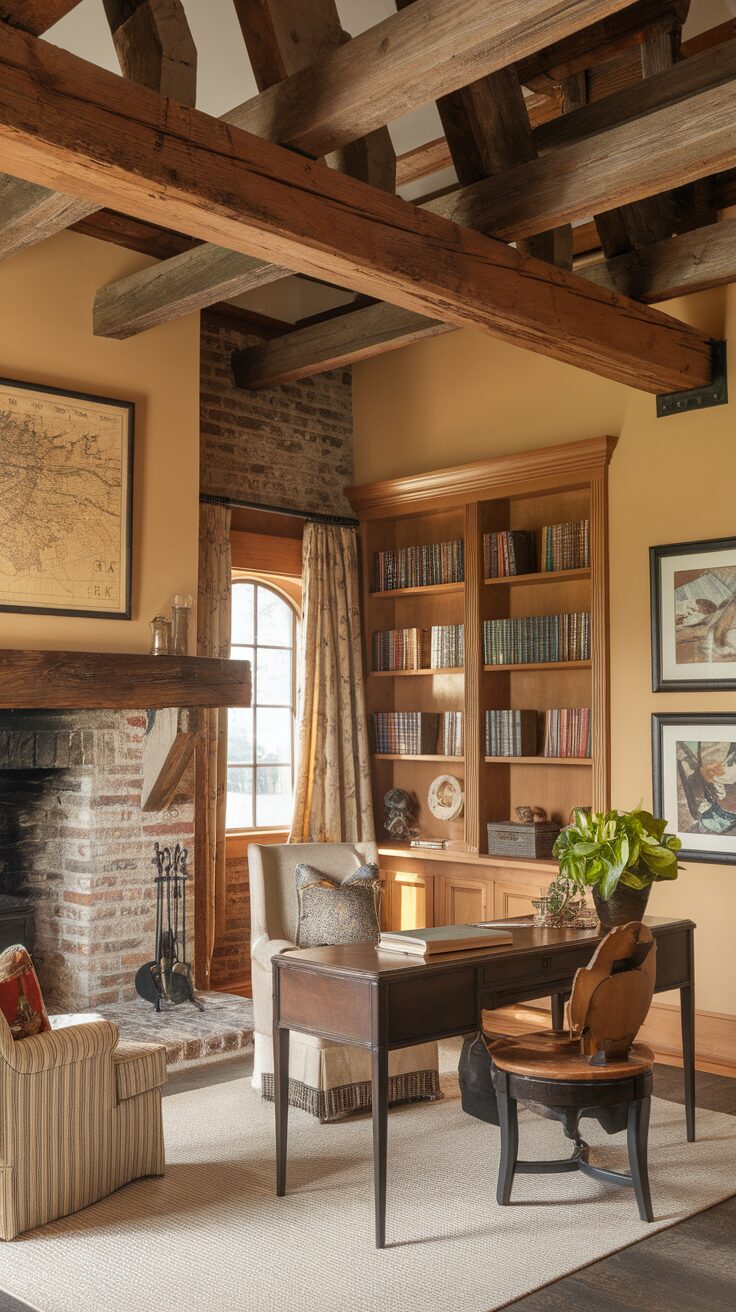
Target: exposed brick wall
pixel 288 446
pixel 231 961
pixel 74 841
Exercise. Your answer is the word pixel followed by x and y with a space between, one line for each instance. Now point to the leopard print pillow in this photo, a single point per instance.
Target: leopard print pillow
pixel 331 912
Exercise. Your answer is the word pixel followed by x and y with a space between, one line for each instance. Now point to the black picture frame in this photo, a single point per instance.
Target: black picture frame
pixel 127 464
pixel 661 683
pixel 660 723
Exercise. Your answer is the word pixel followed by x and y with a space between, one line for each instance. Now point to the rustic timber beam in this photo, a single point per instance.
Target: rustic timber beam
pixel 428 50
pixel 611 168
pixel 154 48
pixel 65 120
pixel 678 266
pixel 35 16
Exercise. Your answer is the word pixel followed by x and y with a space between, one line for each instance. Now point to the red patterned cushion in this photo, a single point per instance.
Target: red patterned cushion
pixel 21 1000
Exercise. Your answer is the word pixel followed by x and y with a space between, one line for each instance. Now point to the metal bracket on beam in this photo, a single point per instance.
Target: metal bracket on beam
pixel 699 398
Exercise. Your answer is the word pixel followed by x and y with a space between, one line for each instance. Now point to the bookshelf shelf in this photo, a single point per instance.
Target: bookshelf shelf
pixel 427 589
pixel 393 674
pixel 555 489
pixel 413 756
pixel 546 576
pixel 539 760
pixel 539 665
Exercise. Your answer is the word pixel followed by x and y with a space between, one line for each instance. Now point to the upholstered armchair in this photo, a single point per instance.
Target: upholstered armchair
pixel 329 1080
pixel 80 1115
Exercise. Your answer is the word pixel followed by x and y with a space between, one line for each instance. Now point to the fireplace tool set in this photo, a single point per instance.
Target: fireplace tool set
pixel 169 975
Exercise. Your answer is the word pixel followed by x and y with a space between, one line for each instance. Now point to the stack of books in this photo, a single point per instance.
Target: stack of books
pixel 537 639
pixel 512 551
pixel 511 733
pixel 567 732
pixel 401 649
pixel 450 738
pixel 418 567
pixel 447 646
pixel 566 546
pixel 405 733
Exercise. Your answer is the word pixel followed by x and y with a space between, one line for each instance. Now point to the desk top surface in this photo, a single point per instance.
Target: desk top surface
pixel 365 959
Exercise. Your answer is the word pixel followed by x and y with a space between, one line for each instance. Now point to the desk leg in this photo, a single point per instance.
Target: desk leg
pixel 687 1017
pixel 379 1098
pixel 281 1102
pixel 558 1011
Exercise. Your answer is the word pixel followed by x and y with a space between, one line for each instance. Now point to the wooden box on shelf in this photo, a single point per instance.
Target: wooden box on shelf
pixel 519 494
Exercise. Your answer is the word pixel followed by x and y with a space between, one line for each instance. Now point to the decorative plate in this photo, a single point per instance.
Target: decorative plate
pixel 446 798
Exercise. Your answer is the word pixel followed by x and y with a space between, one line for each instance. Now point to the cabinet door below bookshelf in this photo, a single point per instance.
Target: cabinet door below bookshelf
pixel 515 899
pixel 407 901
pixel 463 900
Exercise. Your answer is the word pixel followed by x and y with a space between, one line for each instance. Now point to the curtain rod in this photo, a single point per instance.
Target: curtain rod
pixel 311 516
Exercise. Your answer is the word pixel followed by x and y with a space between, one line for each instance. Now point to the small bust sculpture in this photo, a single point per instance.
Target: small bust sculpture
pixel 399 821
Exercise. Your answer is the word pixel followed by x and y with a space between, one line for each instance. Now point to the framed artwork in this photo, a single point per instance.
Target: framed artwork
pixel 694 768
pixel 66 474
pixel 693 599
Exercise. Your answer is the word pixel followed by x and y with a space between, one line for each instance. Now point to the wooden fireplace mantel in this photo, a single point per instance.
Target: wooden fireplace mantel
pixel 86 680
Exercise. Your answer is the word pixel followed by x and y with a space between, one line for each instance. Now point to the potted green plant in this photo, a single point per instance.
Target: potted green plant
pixel 618 855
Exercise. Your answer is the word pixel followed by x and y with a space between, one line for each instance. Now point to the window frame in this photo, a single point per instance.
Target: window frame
pixel 273 584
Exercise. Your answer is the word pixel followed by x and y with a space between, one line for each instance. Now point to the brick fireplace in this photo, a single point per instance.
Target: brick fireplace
pixel 75 843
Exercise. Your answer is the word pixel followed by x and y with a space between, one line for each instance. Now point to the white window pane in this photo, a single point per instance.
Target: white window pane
pixel 239 814
pixel 273 735
pixel 240 737
pixel 242 614
pixel 273 796
pixel 275 619
pixel 274 677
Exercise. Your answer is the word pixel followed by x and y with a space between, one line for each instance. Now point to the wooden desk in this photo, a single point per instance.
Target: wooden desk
pixel 381 1001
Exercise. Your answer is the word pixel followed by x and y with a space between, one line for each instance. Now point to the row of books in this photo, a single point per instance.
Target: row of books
pixel 567 732
pixel 537 639
pixel 418 733
pixel 566 546
pixel 440 647
pixel 511 733
pixel 514 551
pixel 418 567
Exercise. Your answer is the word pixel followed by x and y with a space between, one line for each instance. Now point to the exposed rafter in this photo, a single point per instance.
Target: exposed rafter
pixel 35 16
pixel 674 267
pixel 64 119
pixel 155 48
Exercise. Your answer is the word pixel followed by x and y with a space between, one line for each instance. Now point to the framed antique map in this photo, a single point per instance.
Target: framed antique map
pixel 66 484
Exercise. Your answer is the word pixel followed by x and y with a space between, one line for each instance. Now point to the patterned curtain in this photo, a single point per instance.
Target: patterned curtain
pixel 214 602
pixel 332 802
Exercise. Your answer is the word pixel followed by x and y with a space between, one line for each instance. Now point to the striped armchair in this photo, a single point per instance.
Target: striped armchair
pixel 80 1115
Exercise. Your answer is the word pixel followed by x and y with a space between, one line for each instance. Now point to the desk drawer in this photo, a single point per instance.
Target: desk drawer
pixel 552 965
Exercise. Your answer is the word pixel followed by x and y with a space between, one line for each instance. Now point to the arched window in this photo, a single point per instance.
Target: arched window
pixel 260 770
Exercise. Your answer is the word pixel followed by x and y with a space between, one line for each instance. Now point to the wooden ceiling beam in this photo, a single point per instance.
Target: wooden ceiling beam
pixel 35 16
pixel 625 163
pixel 427 50
pixel 678 266
pixel 155 48
pixel 65 120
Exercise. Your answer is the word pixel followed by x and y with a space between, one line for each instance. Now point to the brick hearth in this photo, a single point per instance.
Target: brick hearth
pixel 75 843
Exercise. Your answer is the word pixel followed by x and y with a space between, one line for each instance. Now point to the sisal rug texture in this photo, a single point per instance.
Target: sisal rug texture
pixel 212 1235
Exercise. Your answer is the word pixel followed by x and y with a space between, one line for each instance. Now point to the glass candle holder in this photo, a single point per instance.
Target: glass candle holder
pixel 181 608
pixel 160 636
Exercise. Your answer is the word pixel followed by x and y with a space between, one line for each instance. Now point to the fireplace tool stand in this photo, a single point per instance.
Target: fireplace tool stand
pixel 169 975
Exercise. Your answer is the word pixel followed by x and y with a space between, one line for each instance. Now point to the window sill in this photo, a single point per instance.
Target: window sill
pixel 236 841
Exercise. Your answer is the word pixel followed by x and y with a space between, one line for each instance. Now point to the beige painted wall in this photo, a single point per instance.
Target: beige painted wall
pixel 46 298
pixel 463 397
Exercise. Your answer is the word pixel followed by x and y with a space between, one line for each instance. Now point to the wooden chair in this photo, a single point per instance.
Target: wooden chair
pixel 595 1070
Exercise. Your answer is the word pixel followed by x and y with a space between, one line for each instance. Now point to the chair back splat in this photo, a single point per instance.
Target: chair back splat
pixel 612 994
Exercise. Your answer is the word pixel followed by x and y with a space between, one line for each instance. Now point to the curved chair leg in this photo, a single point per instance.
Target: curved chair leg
pixel 509 1122
pixel 637 1136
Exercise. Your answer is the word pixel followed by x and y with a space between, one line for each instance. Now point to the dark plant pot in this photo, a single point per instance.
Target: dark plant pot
pixel 625 905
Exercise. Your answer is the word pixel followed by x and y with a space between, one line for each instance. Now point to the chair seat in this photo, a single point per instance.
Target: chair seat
pixel 138 1068
pixel 549 1056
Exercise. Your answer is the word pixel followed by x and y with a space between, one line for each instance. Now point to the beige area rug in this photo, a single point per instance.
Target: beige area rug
pixel 212 1235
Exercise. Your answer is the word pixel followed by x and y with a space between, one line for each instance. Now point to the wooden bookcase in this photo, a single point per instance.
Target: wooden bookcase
pixel 526 491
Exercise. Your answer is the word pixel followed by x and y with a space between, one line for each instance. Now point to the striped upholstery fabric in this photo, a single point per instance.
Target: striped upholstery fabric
pixel 139 1067
pixel 68 1134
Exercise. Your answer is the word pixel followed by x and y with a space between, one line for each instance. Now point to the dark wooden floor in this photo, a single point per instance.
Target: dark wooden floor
pixel 689 1268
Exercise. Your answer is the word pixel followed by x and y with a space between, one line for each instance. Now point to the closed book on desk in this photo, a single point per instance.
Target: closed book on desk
pixel 443 938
